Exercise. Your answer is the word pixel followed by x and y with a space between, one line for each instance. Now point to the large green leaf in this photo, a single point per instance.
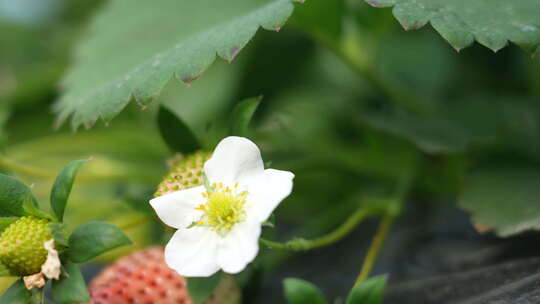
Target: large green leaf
pixel 15 197
pixel 71 287
pixel 504 199
pixel 136 47
pixel 490 22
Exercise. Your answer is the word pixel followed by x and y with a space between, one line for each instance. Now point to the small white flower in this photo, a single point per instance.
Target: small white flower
pixel 219 227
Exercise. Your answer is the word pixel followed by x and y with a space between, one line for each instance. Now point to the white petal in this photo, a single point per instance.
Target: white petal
pixel 177 209
pixel 235 159
pixel 239 247
pixel 193 252
pixel 266 191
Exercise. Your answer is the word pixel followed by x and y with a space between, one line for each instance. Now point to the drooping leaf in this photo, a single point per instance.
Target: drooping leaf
pixel 504 199
pixel 181 39
pixel 370 291
pixel 176 133
pixel 16 294
pixel 62 188
pixel 461 22
pixel 242 114
pixel 15 197
pixel 71 287
pixel 94 238
pixel 201 288
pixel 301 292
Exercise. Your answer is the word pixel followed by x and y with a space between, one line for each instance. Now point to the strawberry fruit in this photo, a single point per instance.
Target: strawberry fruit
pixel 144 278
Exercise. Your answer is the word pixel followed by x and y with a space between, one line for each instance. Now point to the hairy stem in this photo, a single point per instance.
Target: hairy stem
pixel 301 244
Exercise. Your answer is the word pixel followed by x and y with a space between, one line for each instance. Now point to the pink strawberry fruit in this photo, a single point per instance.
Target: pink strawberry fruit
pixel 144 278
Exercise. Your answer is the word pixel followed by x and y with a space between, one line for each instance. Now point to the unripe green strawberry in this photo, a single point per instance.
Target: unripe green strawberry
pixel 22 248
pixel 186 172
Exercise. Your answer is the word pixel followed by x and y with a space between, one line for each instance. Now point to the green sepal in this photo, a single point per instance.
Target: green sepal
pixel 94 238
pixel 58 232
pixel 302 292
pixel 31 208
pixel 176 134
pixel 200 289
pixel 71 288
pixel 16 294
pixel 62 188
pixel 242 115
pixel 370 291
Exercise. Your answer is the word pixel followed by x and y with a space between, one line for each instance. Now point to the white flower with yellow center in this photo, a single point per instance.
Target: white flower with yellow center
pixel 219 224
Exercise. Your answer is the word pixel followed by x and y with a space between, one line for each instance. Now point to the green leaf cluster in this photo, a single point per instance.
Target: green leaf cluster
pixel 368 292
pixel 86 242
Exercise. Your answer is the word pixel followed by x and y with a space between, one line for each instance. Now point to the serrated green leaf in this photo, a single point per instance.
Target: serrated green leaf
pixel 201 288
pixel 176 134
pixel 301 292
pixel 370 291
pixel 242 114
pixel 16 294
pixel 504 199
pixel 15 197
pixel 94 238
pixel 62 188
pixel 71 287
pixel 490 22
pixel 138 46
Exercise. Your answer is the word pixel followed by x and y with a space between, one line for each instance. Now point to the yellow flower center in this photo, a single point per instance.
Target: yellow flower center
pixel 223 209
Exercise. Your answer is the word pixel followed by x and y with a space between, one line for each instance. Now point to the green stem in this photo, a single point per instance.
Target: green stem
pixel 301 244
pixel 375 247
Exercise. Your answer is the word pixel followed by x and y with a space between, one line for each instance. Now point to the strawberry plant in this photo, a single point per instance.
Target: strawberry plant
pixel 269 151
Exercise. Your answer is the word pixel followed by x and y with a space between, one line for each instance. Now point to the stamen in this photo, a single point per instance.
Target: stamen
pixel 224 208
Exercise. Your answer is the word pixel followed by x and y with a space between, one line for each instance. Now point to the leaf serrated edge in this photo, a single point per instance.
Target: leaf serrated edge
pixel 532 50
pixel 63 115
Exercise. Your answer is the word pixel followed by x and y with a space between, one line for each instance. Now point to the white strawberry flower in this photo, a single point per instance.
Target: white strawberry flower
pixel 219 224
